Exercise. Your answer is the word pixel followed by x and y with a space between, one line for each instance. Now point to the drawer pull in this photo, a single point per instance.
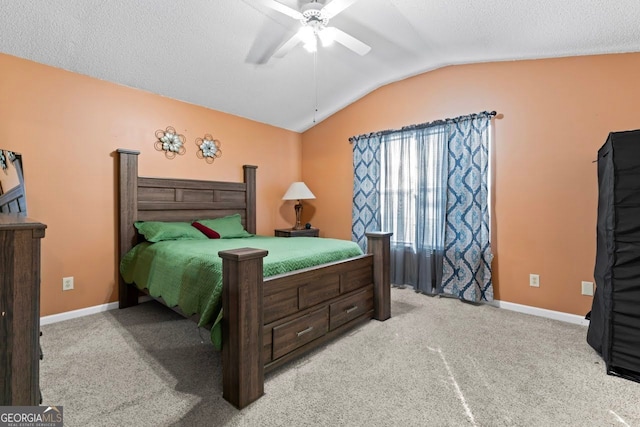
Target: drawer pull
pixel 309 329
pixel 349 310
pixel 3 313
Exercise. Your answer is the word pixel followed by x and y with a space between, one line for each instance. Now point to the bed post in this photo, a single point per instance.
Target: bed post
pixel 128 211
pixel 250 180
pixel 378 244
pixel 242 325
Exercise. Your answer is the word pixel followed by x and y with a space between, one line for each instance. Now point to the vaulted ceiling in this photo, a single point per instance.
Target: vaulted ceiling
pixel 217 53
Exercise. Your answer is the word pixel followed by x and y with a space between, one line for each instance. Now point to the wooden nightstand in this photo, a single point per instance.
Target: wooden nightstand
pixel 289 232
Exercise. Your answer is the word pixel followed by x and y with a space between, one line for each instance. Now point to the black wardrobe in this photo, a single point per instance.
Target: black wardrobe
pixel 614 330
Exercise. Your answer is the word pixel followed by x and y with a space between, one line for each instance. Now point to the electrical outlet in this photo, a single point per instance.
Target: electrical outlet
pixel 67 283
pixel 534 280
pixel 587 288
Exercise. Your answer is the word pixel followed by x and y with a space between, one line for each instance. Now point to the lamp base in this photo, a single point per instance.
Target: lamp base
pixel 298 208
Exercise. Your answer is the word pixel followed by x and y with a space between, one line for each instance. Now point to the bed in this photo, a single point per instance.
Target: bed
pixel 267 321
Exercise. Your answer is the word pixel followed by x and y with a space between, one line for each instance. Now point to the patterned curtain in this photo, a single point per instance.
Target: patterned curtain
pixel 366 188
pixel 467 259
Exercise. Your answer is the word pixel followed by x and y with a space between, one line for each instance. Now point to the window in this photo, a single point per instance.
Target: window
pixel 412 183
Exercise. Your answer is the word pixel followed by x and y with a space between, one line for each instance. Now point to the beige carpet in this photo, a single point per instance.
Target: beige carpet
pixel 436 362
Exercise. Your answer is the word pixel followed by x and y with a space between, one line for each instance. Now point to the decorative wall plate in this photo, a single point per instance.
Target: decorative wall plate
pixel 209 148
pixel 170 142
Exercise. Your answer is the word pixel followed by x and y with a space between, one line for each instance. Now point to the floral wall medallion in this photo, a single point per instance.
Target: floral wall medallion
pixel 170 142
pixel 209 148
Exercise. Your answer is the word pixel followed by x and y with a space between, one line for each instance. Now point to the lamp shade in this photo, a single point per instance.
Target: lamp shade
pixel 298 191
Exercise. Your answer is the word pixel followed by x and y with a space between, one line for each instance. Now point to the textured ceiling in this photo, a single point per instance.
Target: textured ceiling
pixel 206 52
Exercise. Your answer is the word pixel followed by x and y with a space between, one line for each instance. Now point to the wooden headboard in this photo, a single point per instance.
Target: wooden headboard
pixel 169 199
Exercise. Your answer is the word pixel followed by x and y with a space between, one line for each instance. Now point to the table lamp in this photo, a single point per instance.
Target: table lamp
pixel 298 191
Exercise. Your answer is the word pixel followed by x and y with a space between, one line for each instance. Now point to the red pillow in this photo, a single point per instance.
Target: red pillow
pixel 212 234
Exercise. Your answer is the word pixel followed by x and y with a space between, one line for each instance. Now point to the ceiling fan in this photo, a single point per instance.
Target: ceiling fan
pixel 314 17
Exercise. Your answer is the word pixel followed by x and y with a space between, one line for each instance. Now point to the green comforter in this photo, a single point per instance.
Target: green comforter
pixel 188 273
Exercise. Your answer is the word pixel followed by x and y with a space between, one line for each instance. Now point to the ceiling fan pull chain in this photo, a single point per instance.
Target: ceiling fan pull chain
pixel 315 80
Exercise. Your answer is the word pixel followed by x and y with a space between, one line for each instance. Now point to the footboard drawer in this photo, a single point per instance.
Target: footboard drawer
pixel 296 333
pixel 351 307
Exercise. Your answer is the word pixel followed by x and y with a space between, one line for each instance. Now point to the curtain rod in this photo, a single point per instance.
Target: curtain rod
pixel 422 125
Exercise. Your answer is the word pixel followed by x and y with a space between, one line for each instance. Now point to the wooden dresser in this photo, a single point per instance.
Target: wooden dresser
pixel 19 310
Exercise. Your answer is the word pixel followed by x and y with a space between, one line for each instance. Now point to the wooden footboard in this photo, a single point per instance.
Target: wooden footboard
pixel 298 311
pixel 267 322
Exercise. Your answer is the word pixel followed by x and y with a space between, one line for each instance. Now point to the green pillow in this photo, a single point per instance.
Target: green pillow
pixel 157 231
pixel 229 227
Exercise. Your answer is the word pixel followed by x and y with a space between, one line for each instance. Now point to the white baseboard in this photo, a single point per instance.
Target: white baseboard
pixel 542 312
pixel 67 315
pixel 73 314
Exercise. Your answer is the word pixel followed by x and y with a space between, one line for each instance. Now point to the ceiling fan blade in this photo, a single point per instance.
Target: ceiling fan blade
pixel 348 41
pixel 269 37
pixel 287 46
pixel 335 7
pixel 282 8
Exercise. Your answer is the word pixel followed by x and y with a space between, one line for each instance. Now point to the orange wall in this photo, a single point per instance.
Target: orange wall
pixel 554 114
pixel 67 126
